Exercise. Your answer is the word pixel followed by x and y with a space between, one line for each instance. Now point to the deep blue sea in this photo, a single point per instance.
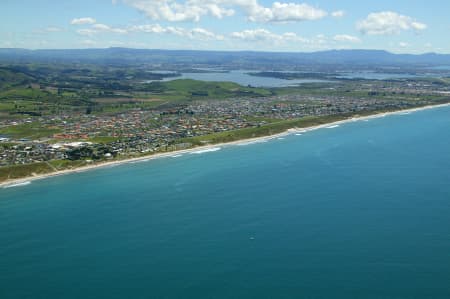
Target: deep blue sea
pixel 357 211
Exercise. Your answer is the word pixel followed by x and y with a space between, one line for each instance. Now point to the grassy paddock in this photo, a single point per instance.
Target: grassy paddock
pixel 31 131
pixel 26 170
pixel 20 171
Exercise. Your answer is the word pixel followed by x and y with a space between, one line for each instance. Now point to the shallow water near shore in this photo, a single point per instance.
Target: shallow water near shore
pixel 354 211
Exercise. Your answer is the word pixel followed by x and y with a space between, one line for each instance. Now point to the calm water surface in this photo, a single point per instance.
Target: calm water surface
pixel 357 211
pixel 243 78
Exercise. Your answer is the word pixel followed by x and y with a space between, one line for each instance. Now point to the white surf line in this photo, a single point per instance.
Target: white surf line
pixel 332 127
pixel 208 150
pixel 19 184
pixel 251 142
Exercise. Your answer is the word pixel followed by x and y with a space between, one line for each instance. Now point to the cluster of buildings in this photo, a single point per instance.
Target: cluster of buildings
pixel 26 152
pixel 141 131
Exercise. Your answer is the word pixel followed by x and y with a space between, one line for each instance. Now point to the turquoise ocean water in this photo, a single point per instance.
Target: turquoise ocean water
pixel 357 211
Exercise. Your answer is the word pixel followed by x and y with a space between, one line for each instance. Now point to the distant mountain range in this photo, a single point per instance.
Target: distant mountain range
pixel 246 58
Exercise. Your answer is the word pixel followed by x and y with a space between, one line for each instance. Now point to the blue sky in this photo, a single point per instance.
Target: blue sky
pixel 398 26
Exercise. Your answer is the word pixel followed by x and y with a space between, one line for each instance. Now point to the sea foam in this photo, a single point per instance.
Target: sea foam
pixel 17 184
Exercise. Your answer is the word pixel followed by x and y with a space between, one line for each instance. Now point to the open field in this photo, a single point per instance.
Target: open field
pixel 29 131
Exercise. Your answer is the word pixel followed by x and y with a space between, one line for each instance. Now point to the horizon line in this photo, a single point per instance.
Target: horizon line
pixel 228 50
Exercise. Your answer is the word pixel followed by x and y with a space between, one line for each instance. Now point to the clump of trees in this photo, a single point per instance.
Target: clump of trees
pixel 89 152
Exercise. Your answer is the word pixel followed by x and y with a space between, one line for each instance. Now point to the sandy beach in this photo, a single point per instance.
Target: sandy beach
pixel 209 147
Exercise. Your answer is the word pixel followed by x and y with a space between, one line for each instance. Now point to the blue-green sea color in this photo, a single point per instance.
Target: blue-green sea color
pixel 361 210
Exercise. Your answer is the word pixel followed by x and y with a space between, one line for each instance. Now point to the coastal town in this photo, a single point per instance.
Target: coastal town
pixel 85 111
pixel 140 131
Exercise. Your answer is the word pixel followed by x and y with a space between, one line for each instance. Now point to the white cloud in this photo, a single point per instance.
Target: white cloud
pixel 88 42
pixel 53 29
pixel 88 32
pixel 155 28
pixel 194 10
pixel 170 10
pixel 50 29
pixel 388 22
pixel 195 33
pixel 403 45
pixel 106 28
pixel 346 38
pixel 267 40
pixel 266 35
pixel 83 21
pixel 283 12
pixel 418 26
pixel 338 14
pixel 254 35
pixel 101 28
pixel 200 33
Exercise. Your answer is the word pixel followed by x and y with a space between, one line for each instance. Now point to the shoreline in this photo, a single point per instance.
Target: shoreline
pixel 210 147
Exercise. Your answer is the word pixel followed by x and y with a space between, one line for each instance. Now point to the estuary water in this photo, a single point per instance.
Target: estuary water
pixel 359 210
pixel 243 78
